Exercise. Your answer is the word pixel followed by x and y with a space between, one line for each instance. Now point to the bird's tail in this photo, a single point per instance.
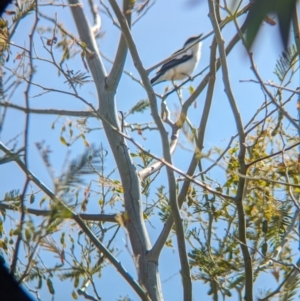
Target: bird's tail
pixel 155 80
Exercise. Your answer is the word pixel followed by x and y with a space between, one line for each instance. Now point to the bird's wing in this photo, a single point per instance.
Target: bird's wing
pixel 181 58
pixel 154 79
pixel 169 65
pixel 187 52
pixel 174 62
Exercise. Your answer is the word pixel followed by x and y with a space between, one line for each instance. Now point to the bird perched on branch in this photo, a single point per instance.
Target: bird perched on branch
pixel 181 66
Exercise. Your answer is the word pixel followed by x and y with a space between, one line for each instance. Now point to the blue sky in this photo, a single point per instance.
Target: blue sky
pixel 163 30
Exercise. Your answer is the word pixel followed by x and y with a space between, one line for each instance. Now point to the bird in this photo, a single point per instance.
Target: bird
pixel 181 66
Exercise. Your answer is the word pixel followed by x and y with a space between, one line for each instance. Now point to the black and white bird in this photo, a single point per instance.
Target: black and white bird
pixel 181 66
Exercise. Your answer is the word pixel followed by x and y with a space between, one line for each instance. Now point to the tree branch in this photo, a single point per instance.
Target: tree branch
pixel 119 62
pixel 26 137
pixel 111 218
pixel 136 227
pixel 49 111
pixel 243 168
pixel 138 289
pixel 187 285
pixel 279 107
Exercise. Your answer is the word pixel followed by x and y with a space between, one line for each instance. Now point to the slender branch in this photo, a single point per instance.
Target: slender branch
pixel 182 195
pixel 185 272
pixel 259 178
pixel 271 85
pixel 83 293
pixel 221 156
pixel 119 62
pixel 273 155
pixel 109 14
pixel 111 218
pixel 30 256
pixel 275 292
pixel 140 241
pixel 143 11
pixel 51 89
pixel 200 142
pixel 295 273
pixel 180 172
pixel 61 27
pixel 296 30
pixel 248 131
pixel 96 16
pixel 193 165
pixel 262 121
pixel 49 111
pixel 63 5
pixel 279 107
pixel 202 85
pixel 222 24
pixel 160 160
pixel 26 137
pixel 149 170
pixel 138 289
pixel 276 254
pixel 243 168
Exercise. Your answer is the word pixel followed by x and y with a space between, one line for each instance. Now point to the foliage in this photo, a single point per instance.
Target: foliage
pixel 73 208
pixel 262 10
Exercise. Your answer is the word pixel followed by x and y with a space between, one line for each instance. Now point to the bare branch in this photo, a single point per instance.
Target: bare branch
pixel 187 285
pixel 110 218
pixel 81 224
pixel 119 62
pixel 26 133
pixel 96 16
pixel 49 111
pixel 242 151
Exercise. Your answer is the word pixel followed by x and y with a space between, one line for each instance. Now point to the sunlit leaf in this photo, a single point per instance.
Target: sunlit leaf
pixel 63 141
pixel 74 295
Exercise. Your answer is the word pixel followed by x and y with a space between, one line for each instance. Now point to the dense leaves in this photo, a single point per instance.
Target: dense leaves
pixel 151 173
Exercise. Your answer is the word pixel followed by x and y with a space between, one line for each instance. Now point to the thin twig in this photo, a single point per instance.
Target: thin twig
pixel 138 289
pixel 111 218
pixel 243 168
pixel 26 137
pixel 185 272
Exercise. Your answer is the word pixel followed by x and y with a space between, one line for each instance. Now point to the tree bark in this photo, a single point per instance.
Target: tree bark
pixel 147 269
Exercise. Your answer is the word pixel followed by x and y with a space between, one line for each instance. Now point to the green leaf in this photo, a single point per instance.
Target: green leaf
pixel 32 198
pixel 74 295
pixel 265 226
pixel 40 283
pixel 50 286
pixel 3 245
pixel 76 281
pixel 63 141
pixel 27 234
pixel 139 107
pixel 43 200
pixel 264 248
